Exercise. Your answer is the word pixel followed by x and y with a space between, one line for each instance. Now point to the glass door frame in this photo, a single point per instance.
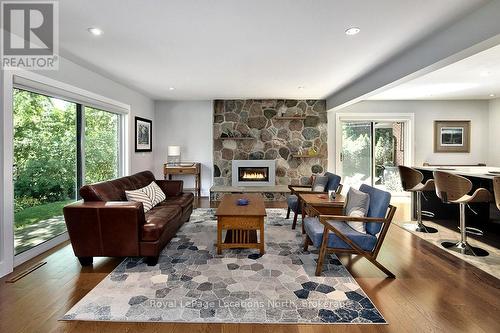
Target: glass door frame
pixel 80 167
pixel 40 84
pixel 409 138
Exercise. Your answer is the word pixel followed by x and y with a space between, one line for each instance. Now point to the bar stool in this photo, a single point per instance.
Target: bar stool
pixel 454 189
pixel 496 189
pixel 411 179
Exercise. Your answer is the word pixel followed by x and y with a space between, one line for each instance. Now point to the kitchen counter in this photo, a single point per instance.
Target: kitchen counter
pixel 481 176
pixel 485 172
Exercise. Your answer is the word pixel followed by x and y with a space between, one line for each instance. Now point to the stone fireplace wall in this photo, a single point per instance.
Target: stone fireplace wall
pixel 272 138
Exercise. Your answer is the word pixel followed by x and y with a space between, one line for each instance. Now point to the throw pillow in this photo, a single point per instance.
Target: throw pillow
pixel 319 183
pixel 155 193
pixel 140 195
pixel 357 205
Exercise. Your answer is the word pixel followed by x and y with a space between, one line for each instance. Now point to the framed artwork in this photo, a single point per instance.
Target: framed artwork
pixel 452 136
pixel 143 135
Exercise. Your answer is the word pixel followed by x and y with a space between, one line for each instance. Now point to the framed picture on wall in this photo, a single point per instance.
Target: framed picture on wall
pixel 143 135
pixel 452 136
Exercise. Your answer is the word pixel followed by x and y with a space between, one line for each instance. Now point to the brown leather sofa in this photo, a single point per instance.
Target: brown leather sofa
pixel 105 224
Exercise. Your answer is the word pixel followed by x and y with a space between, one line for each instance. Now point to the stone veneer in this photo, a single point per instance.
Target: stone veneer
pixel 274 139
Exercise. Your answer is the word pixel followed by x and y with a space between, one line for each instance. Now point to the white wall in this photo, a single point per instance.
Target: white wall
pixel 471 34
pixel 6 190
pixel 494 133
pixel 72 74
pixel 189 125
pixel 425 114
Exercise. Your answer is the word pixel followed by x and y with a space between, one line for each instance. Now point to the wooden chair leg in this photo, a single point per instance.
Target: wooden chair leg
pixel 302 213
pixel 302 209
pixel 288 213
pixel 382 268
pixel 307 242
pixel 322 253
pixel 294 224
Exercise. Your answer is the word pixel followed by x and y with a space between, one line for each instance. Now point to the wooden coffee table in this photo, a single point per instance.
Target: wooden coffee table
pixel 319 204
pixel 241 222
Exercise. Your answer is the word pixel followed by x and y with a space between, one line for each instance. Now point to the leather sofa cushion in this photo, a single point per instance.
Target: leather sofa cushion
pixel 184 200
pixel 114 190
pixel 157 219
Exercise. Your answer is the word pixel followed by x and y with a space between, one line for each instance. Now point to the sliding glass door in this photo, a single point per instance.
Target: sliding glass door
pixel 388 147
pixel 58 146
pixel 102 145
pixel 371 152
pixel 44 167
pixel 356 154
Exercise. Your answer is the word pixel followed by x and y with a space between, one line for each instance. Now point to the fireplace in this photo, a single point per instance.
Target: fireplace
pixel 253 172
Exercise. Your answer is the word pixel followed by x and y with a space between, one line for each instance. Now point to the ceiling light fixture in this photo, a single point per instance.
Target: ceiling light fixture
pixel 95 31
pixel 492 95
pixel 352 31
pixel 171 88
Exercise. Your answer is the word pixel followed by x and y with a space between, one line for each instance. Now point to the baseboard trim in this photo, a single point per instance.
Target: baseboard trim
pixel 39 249
pixel 25 272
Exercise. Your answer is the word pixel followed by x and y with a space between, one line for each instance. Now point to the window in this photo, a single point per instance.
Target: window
pixel 102 145
pixel 58 146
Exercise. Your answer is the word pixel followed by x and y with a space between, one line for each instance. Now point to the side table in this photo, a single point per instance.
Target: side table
pixel 185 169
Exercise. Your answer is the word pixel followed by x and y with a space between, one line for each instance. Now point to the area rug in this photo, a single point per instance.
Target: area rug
pixel 191 283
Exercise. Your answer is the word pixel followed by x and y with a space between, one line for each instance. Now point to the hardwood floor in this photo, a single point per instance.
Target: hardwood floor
pixel 433 292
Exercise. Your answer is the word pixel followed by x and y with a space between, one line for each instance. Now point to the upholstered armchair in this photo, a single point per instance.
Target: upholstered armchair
pixel 294 204
pixel 333 234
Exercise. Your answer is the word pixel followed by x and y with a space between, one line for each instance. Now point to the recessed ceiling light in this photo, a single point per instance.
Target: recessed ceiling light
pixel 352 31
pixel 95 31
pixel 485 73
pixel 171 88
pixel 492 95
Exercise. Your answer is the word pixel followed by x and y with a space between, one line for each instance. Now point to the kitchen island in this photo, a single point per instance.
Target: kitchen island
pixel 487 217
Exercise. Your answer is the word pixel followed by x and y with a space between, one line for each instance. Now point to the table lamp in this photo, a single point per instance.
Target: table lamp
pixel 174 155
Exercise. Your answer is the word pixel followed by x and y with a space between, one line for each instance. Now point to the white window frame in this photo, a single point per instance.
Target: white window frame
pixel 38 83
pixel 407 118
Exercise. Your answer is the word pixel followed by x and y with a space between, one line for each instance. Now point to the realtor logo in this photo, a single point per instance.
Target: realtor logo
pixel 30 34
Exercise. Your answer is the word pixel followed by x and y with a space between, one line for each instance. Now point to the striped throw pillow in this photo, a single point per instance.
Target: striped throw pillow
pixel 155 193
pixel 140 196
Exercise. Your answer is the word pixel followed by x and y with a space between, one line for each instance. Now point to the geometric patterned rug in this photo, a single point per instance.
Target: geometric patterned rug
pixel 191 283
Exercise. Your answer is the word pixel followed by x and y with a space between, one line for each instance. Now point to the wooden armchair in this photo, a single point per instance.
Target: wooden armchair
pixel 294 203
pixel 331 233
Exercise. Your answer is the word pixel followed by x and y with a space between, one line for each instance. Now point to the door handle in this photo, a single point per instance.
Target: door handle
pixel 341 157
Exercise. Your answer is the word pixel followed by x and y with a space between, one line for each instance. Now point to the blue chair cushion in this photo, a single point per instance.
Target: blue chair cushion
pixel 379 203
pixel 293 203
pixel 333 182
pixel 314 229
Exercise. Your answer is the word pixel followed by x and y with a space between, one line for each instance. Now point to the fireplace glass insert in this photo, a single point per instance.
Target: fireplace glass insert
pixel 253 174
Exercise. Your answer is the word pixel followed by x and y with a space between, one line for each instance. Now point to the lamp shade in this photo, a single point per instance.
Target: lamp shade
pixel 174 150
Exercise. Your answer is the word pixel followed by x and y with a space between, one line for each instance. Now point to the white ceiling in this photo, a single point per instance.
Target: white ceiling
pixel 243 49
pixel 475 77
